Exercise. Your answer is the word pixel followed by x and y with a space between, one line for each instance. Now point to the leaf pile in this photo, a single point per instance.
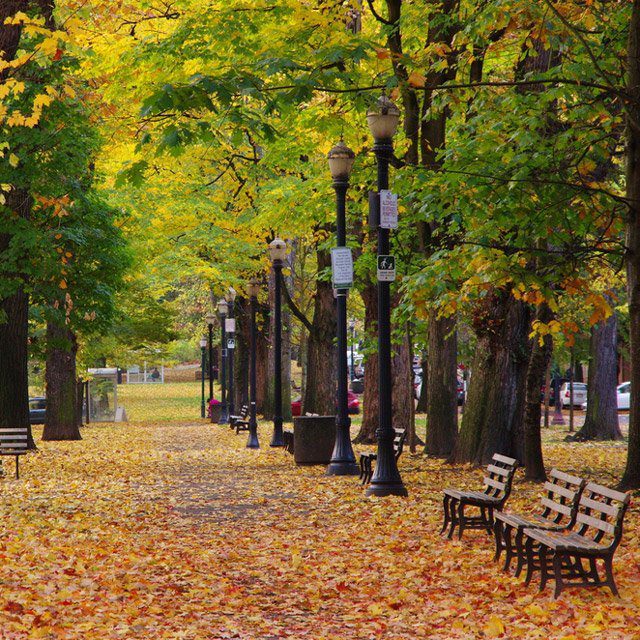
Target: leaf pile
pixel 179 531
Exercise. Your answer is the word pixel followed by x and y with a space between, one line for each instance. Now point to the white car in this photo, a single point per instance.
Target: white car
pixel 579 394
pixel 623 392
pixel 623 396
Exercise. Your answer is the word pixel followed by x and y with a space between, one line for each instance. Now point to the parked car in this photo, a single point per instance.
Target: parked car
pixel 37 410
pixel 579 394
pixel 623 393
pixel 353 404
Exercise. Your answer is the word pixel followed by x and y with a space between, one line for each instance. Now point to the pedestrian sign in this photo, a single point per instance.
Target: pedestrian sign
pixel 386 268
pixel 231 344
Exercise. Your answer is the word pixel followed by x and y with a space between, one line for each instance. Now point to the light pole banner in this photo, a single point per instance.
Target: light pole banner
pixel 341 267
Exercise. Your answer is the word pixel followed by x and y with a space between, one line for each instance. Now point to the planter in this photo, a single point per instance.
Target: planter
pixel 313 438
pixel 216 409
pixel 357 386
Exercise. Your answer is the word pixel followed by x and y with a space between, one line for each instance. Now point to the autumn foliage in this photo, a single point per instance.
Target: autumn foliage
pixel 176 530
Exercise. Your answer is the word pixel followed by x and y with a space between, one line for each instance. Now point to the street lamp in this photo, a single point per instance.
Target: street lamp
pixel 352 326
pixel 343 460
pixel 253 289
pixel 203 346
pixel 383 121
pixel 277 251
pixel 222 311
pixel 210 319
pixel 231 327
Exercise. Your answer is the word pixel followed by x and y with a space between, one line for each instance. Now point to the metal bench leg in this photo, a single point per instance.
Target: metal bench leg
pixel 557 570
pixel 530 560
pixel 460 518
pixel 447 517
pixel 453 512
pixel 610 582
pixel 520 551
pixel 508 546
pixel 544 570
pixel 500 536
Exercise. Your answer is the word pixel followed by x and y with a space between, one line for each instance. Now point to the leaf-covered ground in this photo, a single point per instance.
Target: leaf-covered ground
pixel 176 530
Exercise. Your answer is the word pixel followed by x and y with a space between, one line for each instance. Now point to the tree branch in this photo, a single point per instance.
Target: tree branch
pixel 294 308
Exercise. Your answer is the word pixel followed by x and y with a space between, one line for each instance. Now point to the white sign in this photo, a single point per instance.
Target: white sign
pixel 231 344
pixel 386 268
pixel 230 325
pixel 388 210
pixel 341 267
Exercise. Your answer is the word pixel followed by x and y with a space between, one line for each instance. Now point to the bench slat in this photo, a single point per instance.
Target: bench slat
pixel 609 509
pixel 556 506
pixel 603 525
pixel 500 471
pixel 608 493
pixel 560 490
pixel 496 484
pixel 565 477
pixel 497 457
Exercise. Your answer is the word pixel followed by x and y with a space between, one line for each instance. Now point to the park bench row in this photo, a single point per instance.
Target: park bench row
pixel 579 523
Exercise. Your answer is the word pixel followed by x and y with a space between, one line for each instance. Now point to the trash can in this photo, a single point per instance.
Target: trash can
pixel 314 438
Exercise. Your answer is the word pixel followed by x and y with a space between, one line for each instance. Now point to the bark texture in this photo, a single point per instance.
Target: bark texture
pixel 402 389
pixel 492 419
pixel 442 416
pixel 367 432
pixel 631 477
pixel 61 421
pixel 601 420
pixel 320 386
pixel 538 365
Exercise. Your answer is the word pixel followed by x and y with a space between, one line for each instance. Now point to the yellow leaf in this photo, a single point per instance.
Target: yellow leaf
pixel 14 161
pixel 494 627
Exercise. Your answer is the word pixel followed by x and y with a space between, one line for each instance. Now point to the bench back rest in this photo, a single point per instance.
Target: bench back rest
pixel 13 439
pixel 497 482
pixel 398 441
pixel 562 495
pixel 244 412
pixel 600 514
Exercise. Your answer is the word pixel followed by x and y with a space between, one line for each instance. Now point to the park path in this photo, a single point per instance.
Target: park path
pixel 179 531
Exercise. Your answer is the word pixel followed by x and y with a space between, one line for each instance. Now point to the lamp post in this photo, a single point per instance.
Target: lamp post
pixel 210 318
pixel 231 328
pixel 277 251
pixel 352 326
pixel 253 289
pixel 383 122
pixel 224 413
pixel 203 346
pixel 343 460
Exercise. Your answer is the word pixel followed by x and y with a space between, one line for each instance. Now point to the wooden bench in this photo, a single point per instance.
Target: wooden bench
pixel 559 510
pixel 595 536
pixel 287 438
pixel 366 459
pixel 497 488
pixel 14 442
pixel 239 422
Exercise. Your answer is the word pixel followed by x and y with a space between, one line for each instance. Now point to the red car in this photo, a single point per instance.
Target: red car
pixel 353 404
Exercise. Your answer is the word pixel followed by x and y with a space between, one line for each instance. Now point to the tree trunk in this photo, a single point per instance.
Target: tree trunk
pixel 320 387
pixel 631 477
pixel 371 398
pixel 263 357
pixel 241 353
pixel 14 307
pixel 538 366
pixel 601 420
pixel 442 404
pixel 61 422
pixel 402 388
pixel 492 419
